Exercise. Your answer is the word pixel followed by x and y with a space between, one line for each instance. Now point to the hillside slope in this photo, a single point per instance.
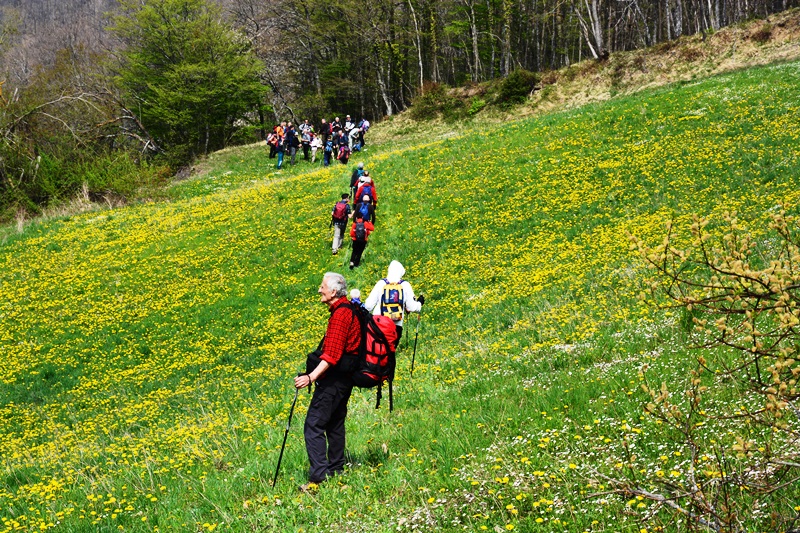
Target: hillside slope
pixel 146 353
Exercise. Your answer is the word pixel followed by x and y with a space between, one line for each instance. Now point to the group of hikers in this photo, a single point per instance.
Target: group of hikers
pixel 336 139
pixel 362 214
pixel 359 344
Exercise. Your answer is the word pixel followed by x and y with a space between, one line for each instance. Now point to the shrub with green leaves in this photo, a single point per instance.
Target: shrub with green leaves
pixel 516 87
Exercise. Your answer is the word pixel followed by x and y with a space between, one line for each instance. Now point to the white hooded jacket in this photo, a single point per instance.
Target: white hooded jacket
pixel 393 275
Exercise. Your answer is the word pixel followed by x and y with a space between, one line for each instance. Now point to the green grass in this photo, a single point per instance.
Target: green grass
pixel 146 353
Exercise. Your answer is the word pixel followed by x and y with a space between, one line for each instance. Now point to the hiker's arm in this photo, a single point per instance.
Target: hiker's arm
pixel 412 305
pixel 304 380
pixel 374 295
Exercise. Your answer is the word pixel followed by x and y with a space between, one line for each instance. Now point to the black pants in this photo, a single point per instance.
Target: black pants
pixel 272 151
pixel 358 249
pixel 324 427
pixel 306 148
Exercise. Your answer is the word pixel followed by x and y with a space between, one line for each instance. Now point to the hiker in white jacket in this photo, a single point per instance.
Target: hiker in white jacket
pixel 393 296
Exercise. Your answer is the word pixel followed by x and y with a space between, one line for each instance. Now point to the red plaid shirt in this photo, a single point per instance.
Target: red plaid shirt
pixel 343 334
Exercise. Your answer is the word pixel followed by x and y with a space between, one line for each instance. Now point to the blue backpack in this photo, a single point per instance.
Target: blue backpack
pixel 363 210
pixel 329 146
pixel 368 190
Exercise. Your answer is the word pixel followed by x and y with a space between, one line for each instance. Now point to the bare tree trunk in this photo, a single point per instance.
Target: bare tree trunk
pixel 506 64
pixel 593 29
pixel 473 29
pixel 435 76
pixel 419 44
pixel 384 92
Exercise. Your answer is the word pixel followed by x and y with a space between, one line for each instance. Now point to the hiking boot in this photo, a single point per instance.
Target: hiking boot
pixel 335 252
pixel 309 488
pixel 351 265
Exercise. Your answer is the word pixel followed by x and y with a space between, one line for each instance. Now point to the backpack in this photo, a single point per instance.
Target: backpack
pixel 340 211
pixel 376 353
pixel 392 300
pixel 361 232
pixel 329 146
pixel 363 210
pixel 368 190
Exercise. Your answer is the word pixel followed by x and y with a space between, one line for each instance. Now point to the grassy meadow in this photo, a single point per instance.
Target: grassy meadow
pixel 146 353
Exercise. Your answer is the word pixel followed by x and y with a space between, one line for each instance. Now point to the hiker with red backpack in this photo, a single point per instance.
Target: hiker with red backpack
pixel 393 296
pixel 331 367
pixel 359 232
pixel 339 216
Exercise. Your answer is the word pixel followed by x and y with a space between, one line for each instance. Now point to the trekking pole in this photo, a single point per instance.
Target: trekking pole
pixel 416 336
pixel 285 434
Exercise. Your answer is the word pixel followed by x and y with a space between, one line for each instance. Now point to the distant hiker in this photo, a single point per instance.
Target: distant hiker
pixel 367 188
pixel 330 366
pixel 356 140
pixel 272 141
pixel 348 124
pixel 292 142
pixel 316 144
pixel 359 232
pixel 324 131
pixel 364 209
pixel 355 296
pixel 363 127
pixel 339 217
pixel 306 127
pixel 354 177
pixel 393 296
pixel 336 125
pixel 344 152
pixel 305 139
pixel 327 152
pixel 280 148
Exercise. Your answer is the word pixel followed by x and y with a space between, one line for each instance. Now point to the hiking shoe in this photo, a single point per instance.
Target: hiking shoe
pixel 351 265
pixel 335 252
pixel 309 488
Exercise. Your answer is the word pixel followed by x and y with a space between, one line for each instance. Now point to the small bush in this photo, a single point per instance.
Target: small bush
pixel 435 100
pixel 516 87
pixel 475 106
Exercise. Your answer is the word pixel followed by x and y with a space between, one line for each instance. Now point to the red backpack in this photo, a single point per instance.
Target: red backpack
pixel 376 352
pixel 340 211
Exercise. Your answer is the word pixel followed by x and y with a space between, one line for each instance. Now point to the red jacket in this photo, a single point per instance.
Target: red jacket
pixel 373 196
pixel 367 225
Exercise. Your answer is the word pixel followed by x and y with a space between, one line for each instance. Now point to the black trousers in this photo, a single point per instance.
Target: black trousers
pixel 358 249
pixel 324 427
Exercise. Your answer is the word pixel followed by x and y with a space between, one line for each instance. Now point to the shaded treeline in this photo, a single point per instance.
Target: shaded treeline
pixel 373 57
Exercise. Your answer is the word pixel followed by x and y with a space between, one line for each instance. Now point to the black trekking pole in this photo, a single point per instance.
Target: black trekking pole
pixel 416 336
pixel 285 434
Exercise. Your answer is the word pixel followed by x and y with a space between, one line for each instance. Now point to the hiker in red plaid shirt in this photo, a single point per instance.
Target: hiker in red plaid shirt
pixel 337 357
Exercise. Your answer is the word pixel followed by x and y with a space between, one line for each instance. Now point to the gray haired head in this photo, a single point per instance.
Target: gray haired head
pixel 336 282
